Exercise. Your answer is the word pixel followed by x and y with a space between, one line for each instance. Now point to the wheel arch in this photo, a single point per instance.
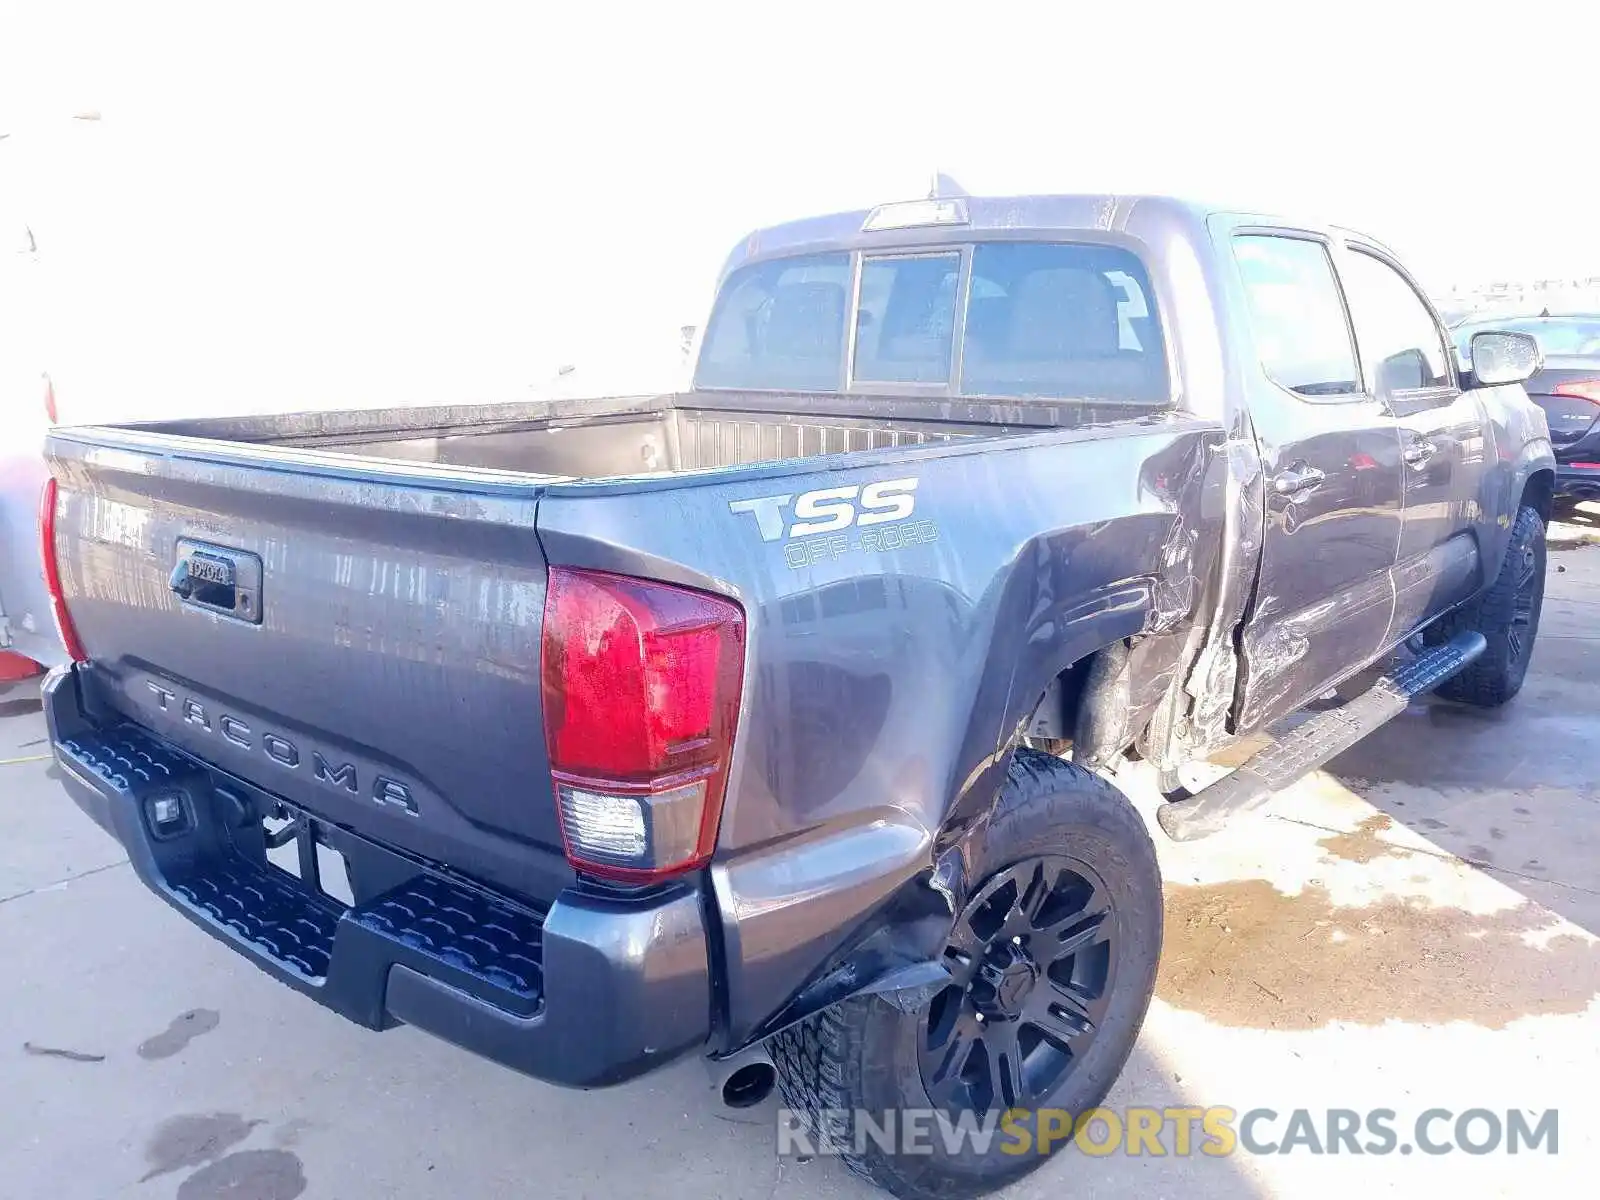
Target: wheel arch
pixel 1539 493
pixel 1094 694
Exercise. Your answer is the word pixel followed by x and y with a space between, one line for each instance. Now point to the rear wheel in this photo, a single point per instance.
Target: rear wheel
pixel 1508 617
pixel 1052 963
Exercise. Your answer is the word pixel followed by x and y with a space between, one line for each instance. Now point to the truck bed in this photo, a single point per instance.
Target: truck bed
pixel 621 437
pixel 384 607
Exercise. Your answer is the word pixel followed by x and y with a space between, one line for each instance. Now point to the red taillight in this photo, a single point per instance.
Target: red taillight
pixel 52 573
pixel 641 685
pixel 1579 389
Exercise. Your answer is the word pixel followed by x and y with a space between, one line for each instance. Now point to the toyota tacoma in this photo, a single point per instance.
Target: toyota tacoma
pixel 784 715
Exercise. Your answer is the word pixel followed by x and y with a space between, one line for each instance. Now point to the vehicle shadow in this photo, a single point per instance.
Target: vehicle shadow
pixel 1585 514
pixel 21 724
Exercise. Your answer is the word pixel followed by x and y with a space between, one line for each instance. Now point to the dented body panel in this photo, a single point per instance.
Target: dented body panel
pixel 927 578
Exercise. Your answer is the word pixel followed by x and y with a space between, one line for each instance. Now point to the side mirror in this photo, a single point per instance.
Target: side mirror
pixel 1405 371
pixel 1499 356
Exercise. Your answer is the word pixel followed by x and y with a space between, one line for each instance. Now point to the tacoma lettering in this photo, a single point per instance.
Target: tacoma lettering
pixel 345 776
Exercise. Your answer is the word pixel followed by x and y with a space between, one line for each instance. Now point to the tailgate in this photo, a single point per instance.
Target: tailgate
pixel 359 638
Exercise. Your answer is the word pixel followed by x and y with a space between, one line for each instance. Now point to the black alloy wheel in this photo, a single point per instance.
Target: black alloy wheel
pixel 1524 604
pixel 1031 962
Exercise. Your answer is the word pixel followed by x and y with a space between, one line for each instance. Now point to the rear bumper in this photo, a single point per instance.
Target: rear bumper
pixel 590 993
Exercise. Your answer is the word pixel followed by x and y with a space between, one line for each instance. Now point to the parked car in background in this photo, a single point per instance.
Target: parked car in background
pixel 1567 387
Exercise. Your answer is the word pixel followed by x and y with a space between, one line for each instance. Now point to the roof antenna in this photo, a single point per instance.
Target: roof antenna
pixel 942 186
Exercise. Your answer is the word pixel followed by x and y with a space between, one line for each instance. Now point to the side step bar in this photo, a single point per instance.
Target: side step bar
pixel 1310 745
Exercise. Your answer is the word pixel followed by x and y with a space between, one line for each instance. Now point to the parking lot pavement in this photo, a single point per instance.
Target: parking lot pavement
pixel 1413 928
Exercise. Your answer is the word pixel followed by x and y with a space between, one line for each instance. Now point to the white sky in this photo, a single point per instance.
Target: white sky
pixel 341 203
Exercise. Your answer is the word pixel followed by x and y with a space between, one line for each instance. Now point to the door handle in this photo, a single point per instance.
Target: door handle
pixel 1297 479
pixel 1418 453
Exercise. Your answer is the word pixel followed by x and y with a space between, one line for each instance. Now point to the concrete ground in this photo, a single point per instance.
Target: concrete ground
pixel 1413 928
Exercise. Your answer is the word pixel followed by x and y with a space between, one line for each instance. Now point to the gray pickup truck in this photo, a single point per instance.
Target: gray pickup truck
pixel 778 720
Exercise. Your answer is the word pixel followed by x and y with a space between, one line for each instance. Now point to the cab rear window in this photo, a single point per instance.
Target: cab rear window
pixel 1062 321
pixel 779 326
pixel 906 318
pixel 1041 320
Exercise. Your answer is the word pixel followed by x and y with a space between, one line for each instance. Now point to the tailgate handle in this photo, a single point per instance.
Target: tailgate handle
pixel 218 578
pixel 179 580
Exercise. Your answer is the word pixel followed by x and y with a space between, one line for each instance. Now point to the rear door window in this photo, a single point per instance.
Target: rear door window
pixel 906 318
pixel 779 325
pixel 1062 321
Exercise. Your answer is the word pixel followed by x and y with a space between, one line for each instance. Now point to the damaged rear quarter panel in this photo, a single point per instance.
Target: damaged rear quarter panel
pixel 884 676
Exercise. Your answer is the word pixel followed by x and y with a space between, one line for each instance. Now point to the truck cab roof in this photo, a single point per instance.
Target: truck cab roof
pixel 1138 215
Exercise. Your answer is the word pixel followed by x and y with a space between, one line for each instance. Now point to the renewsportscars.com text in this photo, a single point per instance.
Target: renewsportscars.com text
pixel 1180 1131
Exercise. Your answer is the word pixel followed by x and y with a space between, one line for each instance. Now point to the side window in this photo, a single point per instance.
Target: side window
pixel 1397 334
pixel 906 318
pixel 1296 314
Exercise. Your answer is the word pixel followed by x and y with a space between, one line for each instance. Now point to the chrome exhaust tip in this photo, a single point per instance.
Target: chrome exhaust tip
pixel 745 1079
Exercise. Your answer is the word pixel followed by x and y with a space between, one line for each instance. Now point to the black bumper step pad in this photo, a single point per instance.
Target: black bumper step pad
pixel 266 909
pixel 463 929
pixel 446 930
pixel 128 759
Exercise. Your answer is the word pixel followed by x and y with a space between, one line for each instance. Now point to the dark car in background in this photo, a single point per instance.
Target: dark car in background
pixel 1567 388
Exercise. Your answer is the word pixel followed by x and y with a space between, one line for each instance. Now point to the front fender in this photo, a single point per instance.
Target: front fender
pixel 1520 436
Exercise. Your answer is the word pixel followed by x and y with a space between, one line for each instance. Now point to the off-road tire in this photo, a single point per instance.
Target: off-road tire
pixel 862 1054
pixel 1496 675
